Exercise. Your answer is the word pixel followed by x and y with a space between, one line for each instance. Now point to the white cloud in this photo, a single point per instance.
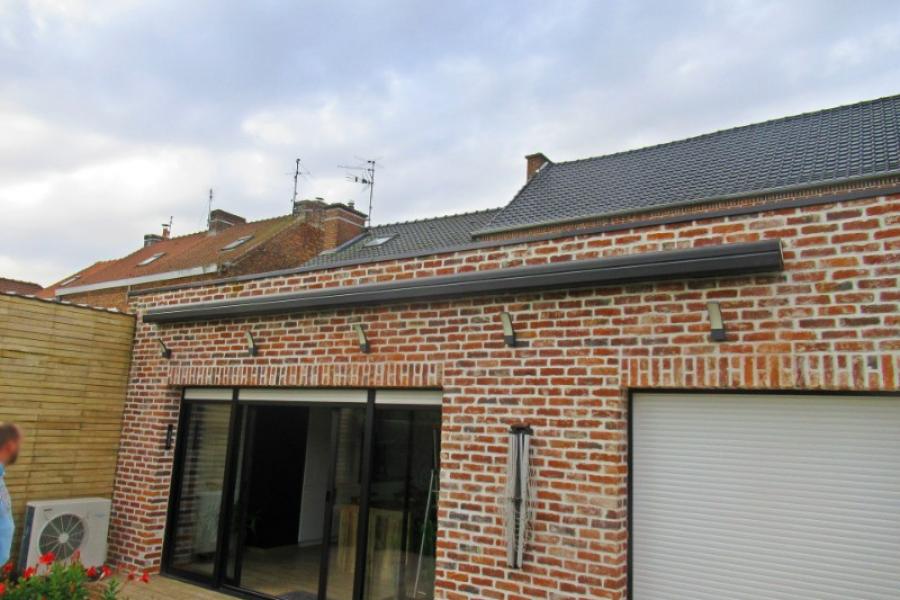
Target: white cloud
pixel 116 114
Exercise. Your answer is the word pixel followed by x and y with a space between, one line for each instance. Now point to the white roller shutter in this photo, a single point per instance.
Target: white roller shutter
pixel 778 497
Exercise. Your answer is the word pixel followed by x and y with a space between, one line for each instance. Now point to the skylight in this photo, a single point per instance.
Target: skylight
pixel 378 241
pixel 150 259
pixel 70 280
pixel 236 243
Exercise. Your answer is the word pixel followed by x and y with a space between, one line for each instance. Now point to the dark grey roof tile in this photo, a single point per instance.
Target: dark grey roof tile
pixel 408 238
pixel 818 148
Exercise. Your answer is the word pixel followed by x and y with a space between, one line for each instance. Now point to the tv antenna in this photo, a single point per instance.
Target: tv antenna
pixel 299 171
pixel 209 209
pixel 366 178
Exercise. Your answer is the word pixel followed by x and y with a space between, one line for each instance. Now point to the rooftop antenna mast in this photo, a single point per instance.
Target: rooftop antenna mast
pixel 209 209
pixel 367 179
pixel 299 171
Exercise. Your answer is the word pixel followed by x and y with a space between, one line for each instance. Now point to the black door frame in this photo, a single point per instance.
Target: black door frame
pixel 230 477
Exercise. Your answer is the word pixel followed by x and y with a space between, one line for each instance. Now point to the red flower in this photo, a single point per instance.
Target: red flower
pixel 47 558
pixel 106 571
pixel 92 572
pixel 29 573
pixel 131 576
pixel 2 588
pixel 145 577
pixel 7 568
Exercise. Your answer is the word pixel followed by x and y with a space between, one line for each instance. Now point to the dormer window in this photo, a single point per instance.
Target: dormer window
pixel 150 259
pixel 237 242
pixel 379 241
pixel 70 280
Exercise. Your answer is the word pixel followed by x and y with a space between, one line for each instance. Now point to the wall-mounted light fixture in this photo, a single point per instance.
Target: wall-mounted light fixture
pixel 252 348
pixel 361 338
pixel 716 324
pixel 164 350
pixel 170 436
pixel 509 334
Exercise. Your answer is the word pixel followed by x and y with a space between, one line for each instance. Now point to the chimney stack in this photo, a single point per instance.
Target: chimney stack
pixel 534 163
pixel 219 220
pixel 152 238
pixel 338 222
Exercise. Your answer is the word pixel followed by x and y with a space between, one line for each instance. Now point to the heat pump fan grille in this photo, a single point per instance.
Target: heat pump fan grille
pixel 62 536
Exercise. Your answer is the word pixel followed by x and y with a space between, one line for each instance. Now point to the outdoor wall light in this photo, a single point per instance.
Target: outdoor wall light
pixel 252 348
pixel 716 324
pixel 164 350
pixel 361 337
pixel 509 334
pixel 170 436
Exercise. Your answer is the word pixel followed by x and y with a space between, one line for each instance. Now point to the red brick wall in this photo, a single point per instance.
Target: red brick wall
pixel 828 322
pixel 290 248
pixel 340 225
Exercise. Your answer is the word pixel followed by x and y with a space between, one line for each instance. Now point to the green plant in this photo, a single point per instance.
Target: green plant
pixel 69 580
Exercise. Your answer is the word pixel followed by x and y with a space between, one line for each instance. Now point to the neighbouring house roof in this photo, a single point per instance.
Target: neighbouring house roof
pixel 18 287
pixel 812 149
pixel 396 240
pixel 185 256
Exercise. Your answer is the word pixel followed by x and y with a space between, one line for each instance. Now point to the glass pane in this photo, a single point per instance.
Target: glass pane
pixel 403 505
pixel 203 471
pixel 280 501
pixel 347 494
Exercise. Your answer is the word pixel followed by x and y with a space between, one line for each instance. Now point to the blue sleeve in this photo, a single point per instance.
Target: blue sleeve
pixel 7 526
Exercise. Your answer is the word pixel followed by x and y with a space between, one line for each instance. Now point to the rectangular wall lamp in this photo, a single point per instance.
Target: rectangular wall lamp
pixel 252 348
pixel 509 334
pixel 361 337
pixel 170 436
pixel 164 350
pixel 716 324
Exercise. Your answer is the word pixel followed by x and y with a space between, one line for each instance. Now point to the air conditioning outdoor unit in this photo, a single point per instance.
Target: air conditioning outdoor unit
pixel 64 527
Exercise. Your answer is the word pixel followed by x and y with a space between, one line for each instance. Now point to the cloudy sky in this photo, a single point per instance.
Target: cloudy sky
pixel 117 114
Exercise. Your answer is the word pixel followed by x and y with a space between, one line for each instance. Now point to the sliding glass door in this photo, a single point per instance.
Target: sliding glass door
pixel 307 500
pixel 403 505
pixel 198 490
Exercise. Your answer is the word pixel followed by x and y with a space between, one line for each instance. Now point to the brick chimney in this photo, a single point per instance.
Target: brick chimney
pixel 534 163
pixel 338 222
pixel 310 211
pixel 341 223
pixel 152 238
pixel 219 220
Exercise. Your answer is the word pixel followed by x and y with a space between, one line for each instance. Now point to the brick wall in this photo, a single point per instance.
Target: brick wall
pixel 290 248
pixel 829 321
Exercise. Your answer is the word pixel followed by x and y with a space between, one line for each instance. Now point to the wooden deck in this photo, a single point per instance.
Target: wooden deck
pixel 165 588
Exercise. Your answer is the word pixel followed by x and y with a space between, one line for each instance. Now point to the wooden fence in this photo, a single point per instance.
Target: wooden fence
pixel 63 373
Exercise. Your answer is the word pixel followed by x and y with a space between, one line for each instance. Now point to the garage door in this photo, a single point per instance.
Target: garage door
pixel 765 496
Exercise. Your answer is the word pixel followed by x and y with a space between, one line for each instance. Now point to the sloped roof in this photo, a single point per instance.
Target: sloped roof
pixel 818 148
pixel 202 249
pixel 407 238
pixel 17 286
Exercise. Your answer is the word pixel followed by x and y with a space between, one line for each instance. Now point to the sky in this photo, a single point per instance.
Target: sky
pixel 116 115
